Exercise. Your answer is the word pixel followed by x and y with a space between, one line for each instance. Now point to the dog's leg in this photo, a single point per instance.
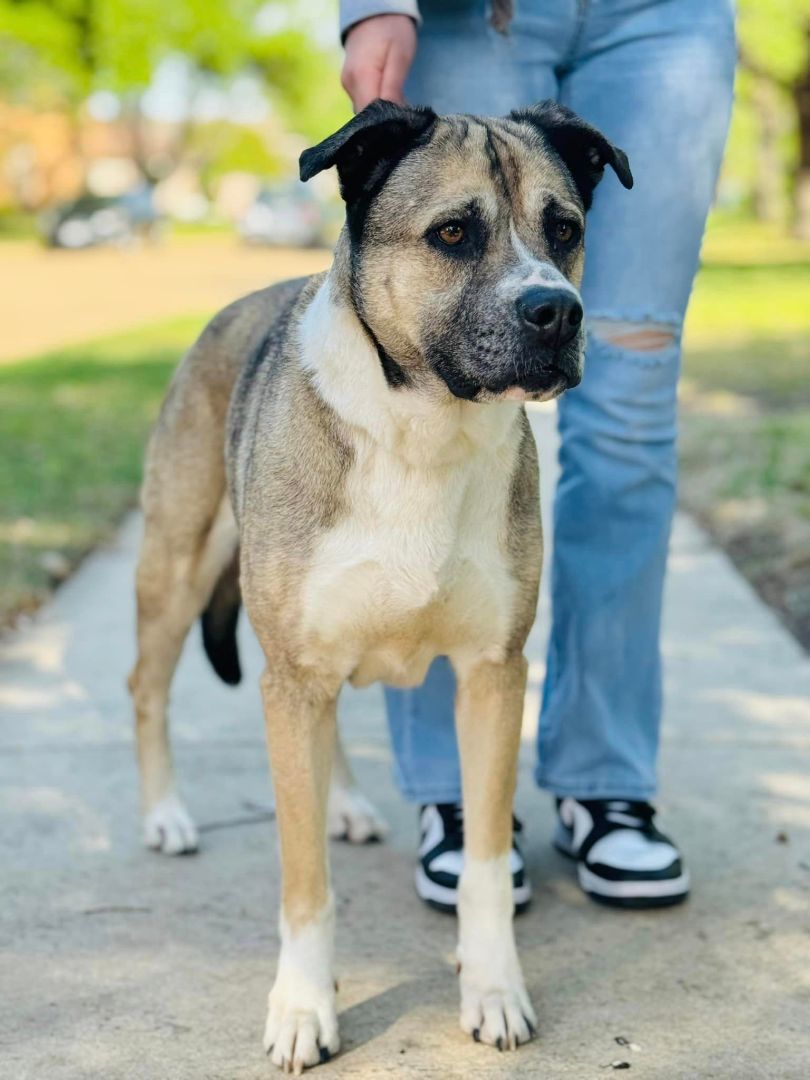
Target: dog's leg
pixel 173 587
pixel 301 725
pixel 495 1007
pixel 350 815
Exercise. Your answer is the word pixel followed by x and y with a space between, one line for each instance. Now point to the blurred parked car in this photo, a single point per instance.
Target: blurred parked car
pixel 287 215
pixel 93 220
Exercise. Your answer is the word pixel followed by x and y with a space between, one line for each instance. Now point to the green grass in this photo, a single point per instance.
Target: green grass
pixel 72 431
pixel 748 330
pixel 17 225
pixel 745 421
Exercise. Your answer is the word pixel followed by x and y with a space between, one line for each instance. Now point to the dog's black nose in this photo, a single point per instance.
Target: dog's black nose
pixel 553 315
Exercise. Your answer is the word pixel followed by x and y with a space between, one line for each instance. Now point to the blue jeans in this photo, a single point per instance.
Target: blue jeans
pixel 656 76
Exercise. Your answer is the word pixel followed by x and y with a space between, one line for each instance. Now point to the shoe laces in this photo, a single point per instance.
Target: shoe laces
pixel 631 814
pixel 452 815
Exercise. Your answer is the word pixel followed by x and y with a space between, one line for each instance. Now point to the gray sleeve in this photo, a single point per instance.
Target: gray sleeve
pixel 354 11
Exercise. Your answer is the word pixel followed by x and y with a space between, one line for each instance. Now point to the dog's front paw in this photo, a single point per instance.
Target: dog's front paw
pixel 302 1028
pixel 495 1007
pixel 496 1010
pixel 168 827
pixel 350 816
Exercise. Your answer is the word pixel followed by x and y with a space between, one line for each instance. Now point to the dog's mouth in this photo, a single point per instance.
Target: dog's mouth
pixel 540 387
pixel 521 378
pixel 521 394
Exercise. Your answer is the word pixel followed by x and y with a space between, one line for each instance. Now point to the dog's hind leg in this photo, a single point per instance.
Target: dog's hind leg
pixel 188 558
pixel 177 574
pixel 495 1007
pixel 350 815
pixel 300 715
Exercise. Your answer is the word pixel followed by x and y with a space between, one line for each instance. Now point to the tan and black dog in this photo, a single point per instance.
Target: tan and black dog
pixel 350 454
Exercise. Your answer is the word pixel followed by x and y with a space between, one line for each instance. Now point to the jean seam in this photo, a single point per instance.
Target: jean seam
pixel 577 789
pixel 569 59
pixel 431 795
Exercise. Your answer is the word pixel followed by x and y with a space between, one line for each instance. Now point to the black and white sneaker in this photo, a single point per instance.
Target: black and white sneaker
pixel 622 859
pixel 441 858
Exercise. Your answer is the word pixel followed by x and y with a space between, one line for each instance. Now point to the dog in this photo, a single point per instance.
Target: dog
pixel 350 456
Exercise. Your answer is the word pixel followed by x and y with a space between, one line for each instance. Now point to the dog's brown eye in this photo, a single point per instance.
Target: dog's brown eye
pixel 451 234
pixel 564 231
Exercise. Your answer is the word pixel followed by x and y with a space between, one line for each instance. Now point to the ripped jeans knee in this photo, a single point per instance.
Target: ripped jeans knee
pixel 638 336
pixel 628 395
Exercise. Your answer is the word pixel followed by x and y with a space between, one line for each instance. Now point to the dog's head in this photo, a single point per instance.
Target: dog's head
pixel 465 242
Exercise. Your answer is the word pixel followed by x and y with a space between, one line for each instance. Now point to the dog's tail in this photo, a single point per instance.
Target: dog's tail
pixel 219 624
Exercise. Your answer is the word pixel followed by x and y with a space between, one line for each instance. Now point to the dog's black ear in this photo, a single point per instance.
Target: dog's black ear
pixel 367 148
pixel 584 150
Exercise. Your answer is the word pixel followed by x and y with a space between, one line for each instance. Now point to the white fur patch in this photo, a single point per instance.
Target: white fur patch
pixel 168 827
pixel 533 271
pixel 421 428
pixel 417 565
pixel 495 1007
pixel 302 1027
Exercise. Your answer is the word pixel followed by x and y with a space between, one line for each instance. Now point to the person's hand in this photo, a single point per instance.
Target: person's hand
pixel 379 53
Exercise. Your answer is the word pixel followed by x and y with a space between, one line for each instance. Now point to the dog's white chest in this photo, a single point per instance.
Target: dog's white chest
pixel 414 569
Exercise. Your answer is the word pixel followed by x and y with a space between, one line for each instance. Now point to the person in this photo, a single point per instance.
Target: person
pixel 656 77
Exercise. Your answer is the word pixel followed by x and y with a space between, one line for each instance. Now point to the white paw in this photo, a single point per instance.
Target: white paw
pixel 495 1007
pixel 168 827
pixel 350 816
pixel 501 1016
pixel 302 1027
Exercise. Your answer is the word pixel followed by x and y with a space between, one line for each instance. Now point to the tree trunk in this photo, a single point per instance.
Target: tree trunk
pixel 801 98
pixel 769 189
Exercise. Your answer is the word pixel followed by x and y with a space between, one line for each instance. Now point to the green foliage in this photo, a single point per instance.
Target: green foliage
pixel 220 147
pixel 41 54
pixel 772 36
pixel 74 423
pixel 87 45
pixel 57 52
pixel 304 84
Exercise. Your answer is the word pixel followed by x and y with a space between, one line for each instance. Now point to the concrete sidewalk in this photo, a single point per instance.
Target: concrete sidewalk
pixel 121 965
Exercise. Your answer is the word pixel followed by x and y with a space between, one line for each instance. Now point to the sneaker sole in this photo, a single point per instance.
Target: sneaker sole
pixel 661 893
pixel 441 898
pixel 638 904
pixel 629 894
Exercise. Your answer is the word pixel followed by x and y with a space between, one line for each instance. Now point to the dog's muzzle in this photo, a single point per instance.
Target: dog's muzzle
pixel 551 319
